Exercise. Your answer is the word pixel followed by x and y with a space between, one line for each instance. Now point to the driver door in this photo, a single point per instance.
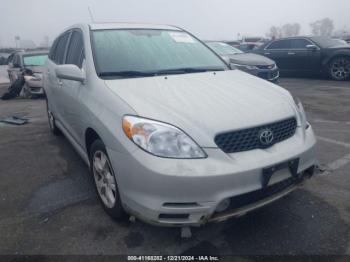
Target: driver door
pixel 71 91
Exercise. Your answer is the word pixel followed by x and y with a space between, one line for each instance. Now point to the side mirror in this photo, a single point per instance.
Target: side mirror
pixel 16 66
pixel 226 59
pixel 232 66
pixel 70 72
pixel 311 47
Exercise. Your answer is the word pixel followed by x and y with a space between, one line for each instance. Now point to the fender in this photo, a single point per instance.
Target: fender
pixel 335 53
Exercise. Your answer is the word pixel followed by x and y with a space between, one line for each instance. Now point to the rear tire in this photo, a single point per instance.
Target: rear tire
pixel 339 68
pixel 105 182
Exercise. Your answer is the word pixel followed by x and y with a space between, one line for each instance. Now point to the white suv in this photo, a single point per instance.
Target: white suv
pixel 171 134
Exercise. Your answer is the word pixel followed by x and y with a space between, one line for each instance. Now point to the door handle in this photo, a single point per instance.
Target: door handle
pixel 60 83
pixel 291 53
pixel 267 53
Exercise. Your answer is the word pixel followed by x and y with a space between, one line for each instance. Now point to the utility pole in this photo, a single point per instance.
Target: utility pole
pixel 17 39
pixel 46 41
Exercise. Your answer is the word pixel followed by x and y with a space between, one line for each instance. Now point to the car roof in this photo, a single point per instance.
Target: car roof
pixel 119 25
pixel 295 37
pixel 38 52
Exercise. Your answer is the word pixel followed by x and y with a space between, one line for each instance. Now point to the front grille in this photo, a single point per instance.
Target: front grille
pixel 265 66
pixel 248 139
pixel 264 75
pixel 261 194
pixel 268 75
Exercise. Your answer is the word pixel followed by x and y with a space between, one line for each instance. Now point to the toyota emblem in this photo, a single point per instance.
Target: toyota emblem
pixel 266 137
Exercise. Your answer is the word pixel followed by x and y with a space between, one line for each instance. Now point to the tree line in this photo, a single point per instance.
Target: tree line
pixel 323 27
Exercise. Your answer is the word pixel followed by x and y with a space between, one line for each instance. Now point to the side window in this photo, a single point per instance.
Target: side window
pixel 61 49
pixel 53 50
pixel 300 43
pixel 16 61
pixel 10 58
pixel 280 44
pixel 75 49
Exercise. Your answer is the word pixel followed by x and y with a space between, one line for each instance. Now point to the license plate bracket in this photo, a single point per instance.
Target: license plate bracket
pixel 267 172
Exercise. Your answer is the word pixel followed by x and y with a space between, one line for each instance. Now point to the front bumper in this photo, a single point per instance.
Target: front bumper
pixel 175 192
pixel 267 74
pixel 36 90
pixel 35 87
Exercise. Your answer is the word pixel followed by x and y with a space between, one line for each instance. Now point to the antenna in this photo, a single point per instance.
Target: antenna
pixel 91 15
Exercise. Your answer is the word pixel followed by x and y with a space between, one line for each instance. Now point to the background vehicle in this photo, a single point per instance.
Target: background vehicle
pixel 32 61
pixel 248 46
pixel 3 58
pixel 251 43
pixel 232 43
pixel 310 55
pixel 251 63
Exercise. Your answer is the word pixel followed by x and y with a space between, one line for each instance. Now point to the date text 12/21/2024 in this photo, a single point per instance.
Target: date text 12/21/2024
pixel 173 258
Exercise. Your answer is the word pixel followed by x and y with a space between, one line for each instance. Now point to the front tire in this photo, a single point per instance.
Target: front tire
pixel 339 68
pixel 52 122
pixel 105 182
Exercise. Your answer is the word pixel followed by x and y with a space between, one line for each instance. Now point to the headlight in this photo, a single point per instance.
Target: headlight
pixel 36 77
pixel 244 67
pixel 301 112
pixel 160 139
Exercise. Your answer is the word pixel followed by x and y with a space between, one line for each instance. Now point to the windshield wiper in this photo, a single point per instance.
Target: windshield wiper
pixel 126 74
pixel 159 72
pixel 187 70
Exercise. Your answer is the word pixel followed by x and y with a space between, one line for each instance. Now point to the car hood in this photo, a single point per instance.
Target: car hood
pixel 205 104
pixel 345 47
pixel 36 69
pixel 248 59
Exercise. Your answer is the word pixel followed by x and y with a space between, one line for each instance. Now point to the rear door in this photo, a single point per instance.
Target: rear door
pixel 300 58
pixel 311 56
pixel 278 51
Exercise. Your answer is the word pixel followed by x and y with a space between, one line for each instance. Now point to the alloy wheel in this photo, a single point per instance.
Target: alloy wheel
pixel 340 68
pixel 104 179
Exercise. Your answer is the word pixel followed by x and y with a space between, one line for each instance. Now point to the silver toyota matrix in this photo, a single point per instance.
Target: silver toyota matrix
pixel 171 134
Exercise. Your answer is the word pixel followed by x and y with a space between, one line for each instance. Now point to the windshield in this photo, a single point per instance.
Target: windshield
pixel 148 52
pixel 224 49
pixel 34 60
pixel 326 42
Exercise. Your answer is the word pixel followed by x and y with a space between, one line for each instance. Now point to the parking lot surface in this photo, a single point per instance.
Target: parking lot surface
pixel 48 204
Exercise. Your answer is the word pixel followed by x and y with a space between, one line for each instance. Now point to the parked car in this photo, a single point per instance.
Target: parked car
pixel 248 46
pixel 3 58
pixel 235 44
pixel 171 134
pixel 255 39
pixel 254 64
pixel 31 61
pixel 310 55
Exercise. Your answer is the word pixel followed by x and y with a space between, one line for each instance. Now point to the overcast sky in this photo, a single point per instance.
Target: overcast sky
pixel 208 19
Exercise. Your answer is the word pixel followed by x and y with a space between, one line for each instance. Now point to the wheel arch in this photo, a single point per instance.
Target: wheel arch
pixel 90 136
pixel 328 59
